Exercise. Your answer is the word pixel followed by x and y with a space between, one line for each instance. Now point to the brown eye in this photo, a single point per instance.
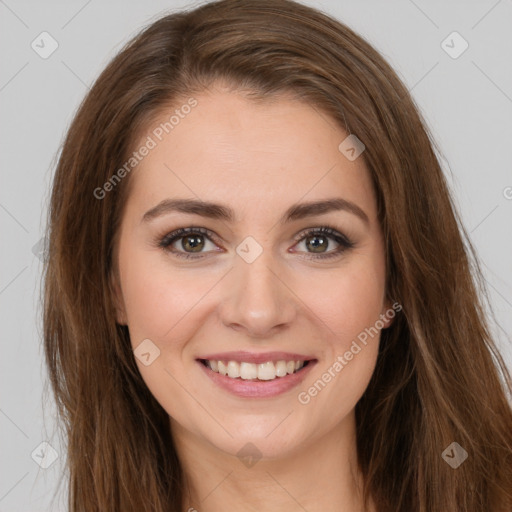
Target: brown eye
pixel 318 240
pixel 188 242
pixel 317 243
pixel 192 243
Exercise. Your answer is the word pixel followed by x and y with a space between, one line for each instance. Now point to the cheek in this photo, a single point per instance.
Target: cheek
pixel 349 311
pixel 157 300
pixel 347 300
pixel 160 307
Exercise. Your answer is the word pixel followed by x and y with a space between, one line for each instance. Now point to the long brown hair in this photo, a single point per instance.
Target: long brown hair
pixel 439 377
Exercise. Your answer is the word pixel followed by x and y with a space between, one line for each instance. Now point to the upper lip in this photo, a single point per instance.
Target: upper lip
pixel 256 358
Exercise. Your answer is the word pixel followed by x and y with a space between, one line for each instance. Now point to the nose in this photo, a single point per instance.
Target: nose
pixel 257 299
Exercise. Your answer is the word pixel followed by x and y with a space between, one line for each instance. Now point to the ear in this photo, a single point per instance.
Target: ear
pixel 117 298
pixel 388 313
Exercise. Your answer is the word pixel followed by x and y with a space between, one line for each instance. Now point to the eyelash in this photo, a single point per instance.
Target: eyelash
pixel 343 241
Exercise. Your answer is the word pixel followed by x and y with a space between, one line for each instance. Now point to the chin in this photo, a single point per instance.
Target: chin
pixel 260 439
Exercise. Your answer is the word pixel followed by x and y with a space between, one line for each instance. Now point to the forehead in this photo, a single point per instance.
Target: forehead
pixel 231 149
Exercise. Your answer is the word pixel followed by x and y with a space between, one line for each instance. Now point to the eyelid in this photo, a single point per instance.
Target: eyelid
pixel 344 242
pixel 177 233
pixel 326 230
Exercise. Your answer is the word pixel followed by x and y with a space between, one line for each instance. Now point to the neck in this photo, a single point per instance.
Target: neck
pixel 320 475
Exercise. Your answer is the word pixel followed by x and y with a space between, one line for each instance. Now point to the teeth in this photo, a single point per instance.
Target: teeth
pixel 263 371
pixel 248 371
pixel 233 369
pixel 223 370
pixel 266 371
pixel 281 369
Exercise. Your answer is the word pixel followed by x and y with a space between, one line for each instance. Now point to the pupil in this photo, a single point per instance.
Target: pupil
pixel 194 243
pixel 317 245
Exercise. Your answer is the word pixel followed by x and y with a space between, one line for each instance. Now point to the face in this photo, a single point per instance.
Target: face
pixel 265 281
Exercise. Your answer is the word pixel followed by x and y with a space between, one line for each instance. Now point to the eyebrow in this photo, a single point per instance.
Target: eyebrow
pixel 225 213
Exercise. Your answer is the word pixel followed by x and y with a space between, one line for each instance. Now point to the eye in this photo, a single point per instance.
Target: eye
pixel 190 241
pixel 318 240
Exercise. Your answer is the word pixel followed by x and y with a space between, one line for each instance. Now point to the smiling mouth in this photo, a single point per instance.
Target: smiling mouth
pixel 267 371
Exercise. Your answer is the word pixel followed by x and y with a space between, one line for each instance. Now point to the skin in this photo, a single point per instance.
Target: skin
pixel 258 159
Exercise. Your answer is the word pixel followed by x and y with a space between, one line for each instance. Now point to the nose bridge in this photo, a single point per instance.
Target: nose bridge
pixel 257 300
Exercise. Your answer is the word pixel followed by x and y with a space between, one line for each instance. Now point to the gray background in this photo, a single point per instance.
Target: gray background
pixel 467 102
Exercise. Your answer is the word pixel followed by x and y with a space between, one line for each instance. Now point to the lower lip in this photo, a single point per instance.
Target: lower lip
pixel 257 388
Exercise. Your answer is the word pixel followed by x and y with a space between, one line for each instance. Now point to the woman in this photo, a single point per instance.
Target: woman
pixel 258 294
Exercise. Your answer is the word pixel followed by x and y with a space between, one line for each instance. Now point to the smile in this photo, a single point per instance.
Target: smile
pixel 266 371
pixel 250 375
